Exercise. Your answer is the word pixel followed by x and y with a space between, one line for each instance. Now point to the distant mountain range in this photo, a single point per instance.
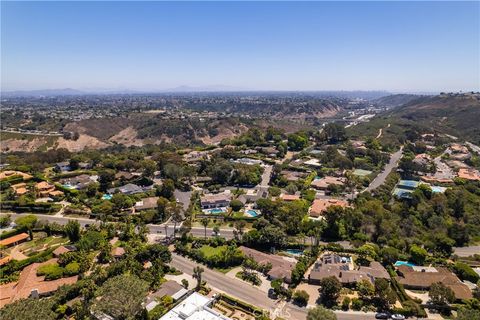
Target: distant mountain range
pixel 369 95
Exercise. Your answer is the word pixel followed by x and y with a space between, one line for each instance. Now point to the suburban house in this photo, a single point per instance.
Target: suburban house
pixel 319 206
pixel 63 166
pixel 31 285
pixel 313 163
pixel 421 278
pixel 14 240
pixel 343 269
pixel 216 200
pixel 19 188
pixel 195 306
pixel 422 159
pixel 11 173
pixel 469 174
pixel 170 288
pixel 289 197
pixel 323 183
pixel 292 176
pixel 63 249
pixel 127 189
pixel 281 266
pixel 124 175
pixel 79 182
pixel 146 204
pixel 45 189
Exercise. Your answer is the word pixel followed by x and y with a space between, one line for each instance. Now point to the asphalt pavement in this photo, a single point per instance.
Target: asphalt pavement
pixel 380 178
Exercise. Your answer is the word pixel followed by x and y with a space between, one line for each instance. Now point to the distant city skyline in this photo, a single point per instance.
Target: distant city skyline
pixel 232 46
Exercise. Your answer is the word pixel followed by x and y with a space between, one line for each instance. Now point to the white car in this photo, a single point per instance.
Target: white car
pixel 397 317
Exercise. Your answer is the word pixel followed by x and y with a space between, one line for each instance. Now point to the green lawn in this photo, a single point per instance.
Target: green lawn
pixel 209 251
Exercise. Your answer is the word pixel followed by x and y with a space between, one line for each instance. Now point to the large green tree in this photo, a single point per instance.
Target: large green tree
pixel 330 290
pixel 72 230
pixel 121 296
pixel 320 313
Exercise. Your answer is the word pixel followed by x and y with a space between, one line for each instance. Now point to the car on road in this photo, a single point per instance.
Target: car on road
pixel 382 315
pixel 397 317
pixel 215 234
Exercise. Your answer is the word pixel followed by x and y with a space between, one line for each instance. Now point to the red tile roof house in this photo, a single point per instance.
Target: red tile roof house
pixel 14 240
pixel 29 284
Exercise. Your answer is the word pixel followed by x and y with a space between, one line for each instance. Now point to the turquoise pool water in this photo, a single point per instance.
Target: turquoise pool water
pixel 294 252
pixel 252 213
pixel 107 196
pixel 215 211
pixel 403 263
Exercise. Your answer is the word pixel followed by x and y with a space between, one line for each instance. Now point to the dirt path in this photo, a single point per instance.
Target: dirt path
pixel 380 131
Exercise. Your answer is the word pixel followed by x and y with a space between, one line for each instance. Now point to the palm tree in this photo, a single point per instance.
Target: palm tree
pixel 204 222
pixel 197 274
pixel 239 226
pixel 175 212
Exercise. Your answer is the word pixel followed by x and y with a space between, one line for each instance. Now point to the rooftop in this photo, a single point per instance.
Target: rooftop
pixel 319 206
pixel 29 281
pixel 194 307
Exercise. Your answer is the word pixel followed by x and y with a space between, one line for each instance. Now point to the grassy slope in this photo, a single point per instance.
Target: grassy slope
pixel 457 116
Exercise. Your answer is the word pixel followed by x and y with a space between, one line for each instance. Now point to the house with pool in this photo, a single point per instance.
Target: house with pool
pixel 215 203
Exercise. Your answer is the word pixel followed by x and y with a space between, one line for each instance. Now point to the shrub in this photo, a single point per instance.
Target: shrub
pixel 301 297
pixel 465 272
pixel 72 268
pixel 50 271
pixel 357 304
pixel 346 303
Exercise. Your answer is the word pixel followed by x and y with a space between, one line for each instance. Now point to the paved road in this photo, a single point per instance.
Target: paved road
pixel 473 147
pixel 183 197
pixel 267 173
pixel 466 251
pixel 253 295
pixel 34 133
pixel 380 178
pixel 154 228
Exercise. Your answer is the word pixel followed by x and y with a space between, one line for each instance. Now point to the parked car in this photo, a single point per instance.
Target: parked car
pixel 382 315
pixel 398 317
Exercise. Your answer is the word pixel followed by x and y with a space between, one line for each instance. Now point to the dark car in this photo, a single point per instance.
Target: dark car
pixel 382 315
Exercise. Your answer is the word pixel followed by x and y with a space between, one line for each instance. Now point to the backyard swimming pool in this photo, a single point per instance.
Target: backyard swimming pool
pixel 403 263
pixel 294 252
pixel 107 196
pixel 251 213
pixel 216 210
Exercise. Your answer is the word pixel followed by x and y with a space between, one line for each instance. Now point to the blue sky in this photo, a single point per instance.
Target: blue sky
pixel 397 46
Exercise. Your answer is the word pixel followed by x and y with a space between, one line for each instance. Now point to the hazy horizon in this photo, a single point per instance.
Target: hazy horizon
pixel 413 47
